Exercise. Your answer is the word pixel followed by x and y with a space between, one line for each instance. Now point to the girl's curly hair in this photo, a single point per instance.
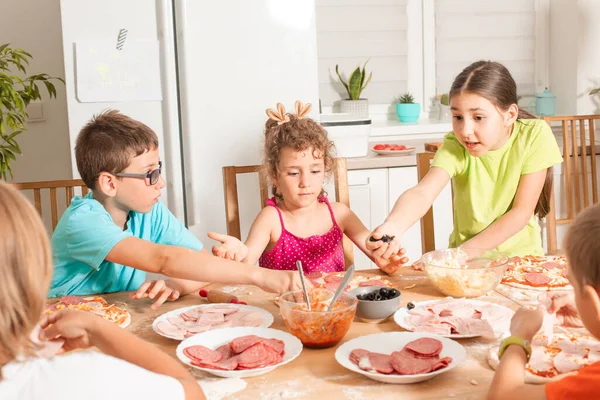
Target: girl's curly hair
pixel 299 134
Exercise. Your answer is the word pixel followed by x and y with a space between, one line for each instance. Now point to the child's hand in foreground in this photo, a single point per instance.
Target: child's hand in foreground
pixel 231 248
pixel 527 322
pixel 158 290
pixel 563 304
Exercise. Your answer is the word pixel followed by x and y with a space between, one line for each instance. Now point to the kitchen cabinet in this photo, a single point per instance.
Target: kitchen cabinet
pixel 369 200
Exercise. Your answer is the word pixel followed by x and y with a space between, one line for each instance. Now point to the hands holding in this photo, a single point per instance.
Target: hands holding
pixel 385 248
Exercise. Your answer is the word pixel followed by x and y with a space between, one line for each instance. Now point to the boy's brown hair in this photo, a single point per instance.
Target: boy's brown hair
pixel 108 143
pixel 299 134
pixel 25 273
pixel 582 247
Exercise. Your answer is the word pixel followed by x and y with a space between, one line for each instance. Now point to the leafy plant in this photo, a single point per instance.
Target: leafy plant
pixel 405 98
pixel 594 91
pixel 15 95
pixel 443 98
pixel 356 83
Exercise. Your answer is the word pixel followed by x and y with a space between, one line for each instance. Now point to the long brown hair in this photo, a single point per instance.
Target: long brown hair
pixel 299 134
pixel 25 272
pixel 493 81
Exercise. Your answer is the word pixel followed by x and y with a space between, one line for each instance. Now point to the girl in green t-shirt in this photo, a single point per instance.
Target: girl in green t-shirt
pixel 499 159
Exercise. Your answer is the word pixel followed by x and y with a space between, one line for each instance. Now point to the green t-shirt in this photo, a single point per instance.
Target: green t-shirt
pixel 485 187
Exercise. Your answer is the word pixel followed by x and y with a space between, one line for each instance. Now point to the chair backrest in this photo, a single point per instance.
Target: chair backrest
pixel 427 224
pixel 579 161
pixel 53 186
pixel 232 208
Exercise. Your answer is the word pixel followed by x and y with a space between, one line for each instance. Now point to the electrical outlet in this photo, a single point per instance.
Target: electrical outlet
pixel 35 111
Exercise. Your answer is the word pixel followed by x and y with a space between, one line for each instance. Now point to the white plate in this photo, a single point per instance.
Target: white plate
pixel 394 341
pixel 266 321
pixel 219 337
pixel 409 150
pixel 400 318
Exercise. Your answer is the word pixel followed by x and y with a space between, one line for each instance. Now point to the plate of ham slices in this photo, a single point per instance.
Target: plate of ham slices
pixel 455 318
pixel 400 357
pixel 239 352
pixel 188 321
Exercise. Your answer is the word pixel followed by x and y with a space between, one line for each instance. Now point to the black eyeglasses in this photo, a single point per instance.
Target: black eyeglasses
pixel 152 176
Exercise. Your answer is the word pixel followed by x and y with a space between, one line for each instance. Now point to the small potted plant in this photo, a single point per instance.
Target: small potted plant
pixel 406 108
pixel 355 84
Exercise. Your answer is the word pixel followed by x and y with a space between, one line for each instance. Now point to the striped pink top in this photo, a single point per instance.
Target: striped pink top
pixel 318 253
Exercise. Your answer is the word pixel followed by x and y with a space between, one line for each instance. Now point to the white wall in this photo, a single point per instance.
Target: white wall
pixel 34 26
pixel 574 55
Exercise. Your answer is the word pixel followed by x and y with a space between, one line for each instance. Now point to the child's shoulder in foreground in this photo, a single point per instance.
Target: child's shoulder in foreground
pixel 74 376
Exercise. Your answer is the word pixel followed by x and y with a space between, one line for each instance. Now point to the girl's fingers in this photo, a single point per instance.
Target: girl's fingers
pixel 217 236
pixel 142 290
pixel 161 299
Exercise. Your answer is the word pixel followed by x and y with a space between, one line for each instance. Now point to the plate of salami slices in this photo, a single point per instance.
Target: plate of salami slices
pixel 400 357
pixel 239 352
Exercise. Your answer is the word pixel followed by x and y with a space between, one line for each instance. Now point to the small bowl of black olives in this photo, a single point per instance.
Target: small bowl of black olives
pixel 376 303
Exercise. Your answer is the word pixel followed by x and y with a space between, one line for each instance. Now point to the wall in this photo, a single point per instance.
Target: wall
pixel 34 26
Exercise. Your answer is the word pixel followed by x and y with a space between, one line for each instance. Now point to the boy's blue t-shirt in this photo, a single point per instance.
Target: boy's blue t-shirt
pixel 86 234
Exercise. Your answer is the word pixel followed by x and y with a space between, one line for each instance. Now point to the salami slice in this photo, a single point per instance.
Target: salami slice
pixel 202 354
pixel 551 265
pixel 381 363
pixel 405 363
pixel 425 347
pixel 333 279
pixel 537 279
pixel 71 300
pixel 357 354
pixel 373 282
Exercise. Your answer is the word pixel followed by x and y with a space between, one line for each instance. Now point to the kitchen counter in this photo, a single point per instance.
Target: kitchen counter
pixel 373 160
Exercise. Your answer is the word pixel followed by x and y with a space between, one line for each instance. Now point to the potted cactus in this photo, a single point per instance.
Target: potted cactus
pixel 406 108
pixel 355 84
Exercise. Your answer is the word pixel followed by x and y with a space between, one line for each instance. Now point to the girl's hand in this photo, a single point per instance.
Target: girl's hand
pixel 563 304
pixel 158 290
pixel 377 244
pixel 280 282
pixel 527 322
pixel 391 265
pixel 72 326
pixel 231 248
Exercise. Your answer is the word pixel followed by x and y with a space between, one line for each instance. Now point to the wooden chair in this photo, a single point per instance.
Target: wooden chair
pixel 579 191
pixel 53 186
pixel 232 209
pixel 427 225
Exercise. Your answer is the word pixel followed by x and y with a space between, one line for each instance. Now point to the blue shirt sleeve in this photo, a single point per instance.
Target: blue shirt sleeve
pixel 91 234
pixel 167 229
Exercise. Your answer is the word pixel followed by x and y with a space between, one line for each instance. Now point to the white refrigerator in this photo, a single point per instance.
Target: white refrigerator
pixel 201 74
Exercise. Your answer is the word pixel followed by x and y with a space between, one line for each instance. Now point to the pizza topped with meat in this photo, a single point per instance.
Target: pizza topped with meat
pixel 537 273
pixel 331 281
pixel 95 305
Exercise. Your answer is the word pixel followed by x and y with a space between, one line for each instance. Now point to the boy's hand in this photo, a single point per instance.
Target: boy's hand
pixel 70 325
pixel 391 265
pixel 527 322
pixel 563 304
pixel 158 290
pixel 231 248
pixel 280 281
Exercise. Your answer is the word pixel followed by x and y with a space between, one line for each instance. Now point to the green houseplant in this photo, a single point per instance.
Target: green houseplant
pixel 15 95
pixel 356 83
pixel 406 108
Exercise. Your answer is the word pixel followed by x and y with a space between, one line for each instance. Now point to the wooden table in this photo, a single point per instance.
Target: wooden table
pixel 315 373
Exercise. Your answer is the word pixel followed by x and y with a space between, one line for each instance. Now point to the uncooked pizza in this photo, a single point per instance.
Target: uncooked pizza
pixel 553 359
pixel 537 273
pixel 95 305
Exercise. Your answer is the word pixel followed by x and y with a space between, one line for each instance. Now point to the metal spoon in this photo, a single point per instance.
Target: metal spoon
pixel 343 283
pixel 301 272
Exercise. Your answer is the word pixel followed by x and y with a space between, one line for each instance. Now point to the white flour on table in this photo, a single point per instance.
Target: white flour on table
pixel 218 388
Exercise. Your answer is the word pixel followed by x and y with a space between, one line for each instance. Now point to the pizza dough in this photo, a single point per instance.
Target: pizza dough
pixel 541 273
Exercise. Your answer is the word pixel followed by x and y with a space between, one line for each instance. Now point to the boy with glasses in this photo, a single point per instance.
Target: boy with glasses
pixel 107 240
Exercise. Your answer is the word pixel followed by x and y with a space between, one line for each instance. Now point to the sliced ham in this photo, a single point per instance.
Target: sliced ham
pixel 170 330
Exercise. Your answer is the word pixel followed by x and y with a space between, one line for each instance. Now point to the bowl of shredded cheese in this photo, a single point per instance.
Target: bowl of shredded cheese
pixel 462 272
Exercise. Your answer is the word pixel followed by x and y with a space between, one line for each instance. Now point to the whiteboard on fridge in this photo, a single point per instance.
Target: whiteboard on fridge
pixel 105 74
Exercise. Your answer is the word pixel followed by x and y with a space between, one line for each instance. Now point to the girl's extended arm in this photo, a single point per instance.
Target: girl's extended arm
pixel 516 218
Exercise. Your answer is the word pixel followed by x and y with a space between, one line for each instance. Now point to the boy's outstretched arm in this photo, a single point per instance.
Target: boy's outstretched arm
pixel 184 263
pixel 509 379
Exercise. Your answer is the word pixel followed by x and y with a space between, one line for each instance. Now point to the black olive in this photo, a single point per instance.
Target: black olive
pixel 387 239
pixel 372 239
pixel 371 296
pixel 410 305
pixel 360 297
pixel 377 296
pixel 383 292
pixel 393 293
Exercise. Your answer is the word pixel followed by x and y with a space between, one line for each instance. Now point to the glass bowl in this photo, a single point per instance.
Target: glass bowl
pixel 317 328
pixel 462 272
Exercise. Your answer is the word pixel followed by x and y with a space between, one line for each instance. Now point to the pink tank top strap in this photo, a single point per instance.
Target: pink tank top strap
pixel 273 203
pixel 325 200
